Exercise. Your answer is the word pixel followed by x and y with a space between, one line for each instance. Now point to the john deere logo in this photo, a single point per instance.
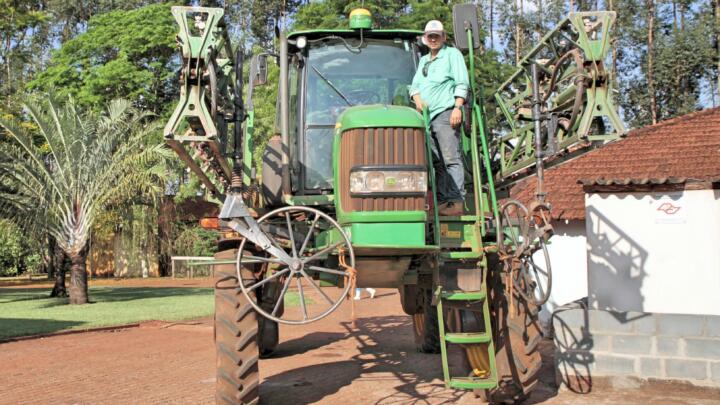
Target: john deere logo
pixel 390 181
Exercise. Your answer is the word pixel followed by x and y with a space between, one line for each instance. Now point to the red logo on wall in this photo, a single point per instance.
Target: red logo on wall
pixel 668 208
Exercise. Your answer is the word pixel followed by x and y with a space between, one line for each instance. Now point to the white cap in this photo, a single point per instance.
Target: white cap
pixel 434 26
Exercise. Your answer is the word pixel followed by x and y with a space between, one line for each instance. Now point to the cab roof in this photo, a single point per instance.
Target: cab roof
pixel 313 34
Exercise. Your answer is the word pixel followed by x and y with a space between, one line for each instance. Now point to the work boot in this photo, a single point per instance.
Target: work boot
pixel 451 209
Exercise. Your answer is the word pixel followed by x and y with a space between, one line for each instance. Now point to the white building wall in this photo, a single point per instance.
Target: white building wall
pixel 654 252
pixel 568 255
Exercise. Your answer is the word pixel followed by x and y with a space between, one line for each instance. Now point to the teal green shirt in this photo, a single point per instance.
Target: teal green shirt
pixel 447 78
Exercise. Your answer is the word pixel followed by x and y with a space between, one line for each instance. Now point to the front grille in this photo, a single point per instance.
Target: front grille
pixel 380 146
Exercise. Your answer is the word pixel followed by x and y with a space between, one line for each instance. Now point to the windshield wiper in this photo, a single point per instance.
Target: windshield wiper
pixel 332 86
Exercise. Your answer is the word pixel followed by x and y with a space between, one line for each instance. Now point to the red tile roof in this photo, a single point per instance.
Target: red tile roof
pixel 672 151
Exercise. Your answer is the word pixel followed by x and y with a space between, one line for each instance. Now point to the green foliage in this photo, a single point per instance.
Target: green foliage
pixel 90 162
pixel 679 83
pixel 188 189
pixel 333 14
pixel 19 21
pixel 194 241
pixel 683 57
pixel 18 253
pixel 123 54
pixel 264 101
pixel 12 248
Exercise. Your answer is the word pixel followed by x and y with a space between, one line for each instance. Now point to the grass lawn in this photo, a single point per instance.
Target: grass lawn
pixel 26 311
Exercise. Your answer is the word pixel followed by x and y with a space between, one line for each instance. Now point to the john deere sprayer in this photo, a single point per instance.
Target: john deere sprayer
pixel 346 195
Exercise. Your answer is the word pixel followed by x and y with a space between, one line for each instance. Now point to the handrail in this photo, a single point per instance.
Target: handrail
pixel 431 170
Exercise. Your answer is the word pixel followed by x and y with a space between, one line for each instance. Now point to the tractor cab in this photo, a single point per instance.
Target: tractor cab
pixel 330 72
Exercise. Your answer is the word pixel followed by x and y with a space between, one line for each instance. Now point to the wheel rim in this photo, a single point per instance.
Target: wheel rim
pixel 515 337
pixel 527 232
pixel 301 260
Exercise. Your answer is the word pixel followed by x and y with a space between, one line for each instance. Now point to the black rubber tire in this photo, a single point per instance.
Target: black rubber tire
pixel 236 338
pixel 517 351
pixel 410 298
pixel 269 330
pixel 272 173
pixel 425 325
pixel 269 337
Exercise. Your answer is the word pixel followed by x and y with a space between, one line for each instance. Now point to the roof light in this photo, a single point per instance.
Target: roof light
pixel 301 42
pixel 360 18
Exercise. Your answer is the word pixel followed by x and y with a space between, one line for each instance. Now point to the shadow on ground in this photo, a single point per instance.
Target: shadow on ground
pixel 46 325
pixel 387 352
pixel 101 294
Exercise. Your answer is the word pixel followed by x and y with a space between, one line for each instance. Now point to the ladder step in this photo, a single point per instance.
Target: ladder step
pixel 459 218
pixel 464 295
pixel 460 255
pixel 471 383
pixel 467 338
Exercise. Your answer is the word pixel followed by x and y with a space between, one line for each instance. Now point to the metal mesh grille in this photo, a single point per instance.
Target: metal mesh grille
pixel 380 146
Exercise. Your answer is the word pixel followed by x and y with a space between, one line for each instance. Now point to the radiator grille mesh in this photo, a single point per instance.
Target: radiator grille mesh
pixel 380 146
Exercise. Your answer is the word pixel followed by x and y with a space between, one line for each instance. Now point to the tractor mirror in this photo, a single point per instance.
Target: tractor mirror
pixel 258 70
pixel 464 18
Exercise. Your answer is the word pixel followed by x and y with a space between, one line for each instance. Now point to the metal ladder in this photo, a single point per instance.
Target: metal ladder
pixel 485 375
pixel 466 233
pixel 461 238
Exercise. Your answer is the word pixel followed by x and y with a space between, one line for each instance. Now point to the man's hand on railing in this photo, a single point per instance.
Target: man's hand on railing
pixel 419 104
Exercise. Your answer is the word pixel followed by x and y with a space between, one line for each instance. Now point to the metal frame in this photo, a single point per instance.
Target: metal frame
pixel 199 53
pixel 586 36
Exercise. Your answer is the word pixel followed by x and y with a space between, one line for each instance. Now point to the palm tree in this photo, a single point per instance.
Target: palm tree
pixel 66 166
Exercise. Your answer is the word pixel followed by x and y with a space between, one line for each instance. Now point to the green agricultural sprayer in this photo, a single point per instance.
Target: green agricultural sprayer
pixel 346 194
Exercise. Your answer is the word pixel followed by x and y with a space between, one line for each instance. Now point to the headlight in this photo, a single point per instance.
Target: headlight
pixel 398 181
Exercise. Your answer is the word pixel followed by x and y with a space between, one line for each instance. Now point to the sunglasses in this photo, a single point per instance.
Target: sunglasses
pixel 432 37
pixel 426 67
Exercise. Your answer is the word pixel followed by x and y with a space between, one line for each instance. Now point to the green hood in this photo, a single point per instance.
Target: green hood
pixel 379 116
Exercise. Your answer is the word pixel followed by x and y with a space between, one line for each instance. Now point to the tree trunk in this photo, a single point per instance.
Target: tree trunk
pixel 49 257
pixel 674 13
pixel 651 84
pixel 78 278
pixel 539 29
pixel 716 11
pixel 492 23
pixel 614 50
pixel 517 32
pixel 164 235
pixel 58 262
pixel 522 27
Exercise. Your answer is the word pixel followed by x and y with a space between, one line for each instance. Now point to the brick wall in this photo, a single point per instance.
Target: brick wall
pixel 595 343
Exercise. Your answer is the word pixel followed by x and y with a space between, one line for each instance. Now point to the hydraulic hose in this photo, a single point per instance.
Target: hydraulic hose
pixel 284 124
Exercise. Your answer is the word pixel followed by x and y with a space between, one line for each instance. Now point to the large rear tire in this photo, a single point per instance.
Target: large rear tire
pixel 269 329
pixel 425 325
pixel 236 338
pixel 517 336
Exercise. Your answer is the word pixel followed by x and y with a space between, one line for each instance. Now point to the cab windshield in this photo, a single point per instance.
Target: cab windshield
pixel 337 78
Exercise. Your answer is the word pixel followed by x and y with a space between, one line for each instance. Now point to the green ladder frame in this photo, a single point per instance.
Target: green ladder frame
pixel 464 338
pixel 473 240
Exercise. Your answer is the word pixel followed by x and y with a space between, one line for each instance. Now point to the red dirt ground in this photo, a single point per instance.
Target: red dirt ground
pixel 324 362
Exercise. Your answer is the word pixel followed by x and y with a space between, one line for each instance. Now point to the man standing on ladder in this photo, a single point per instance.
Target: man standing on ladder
pixel 441 85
